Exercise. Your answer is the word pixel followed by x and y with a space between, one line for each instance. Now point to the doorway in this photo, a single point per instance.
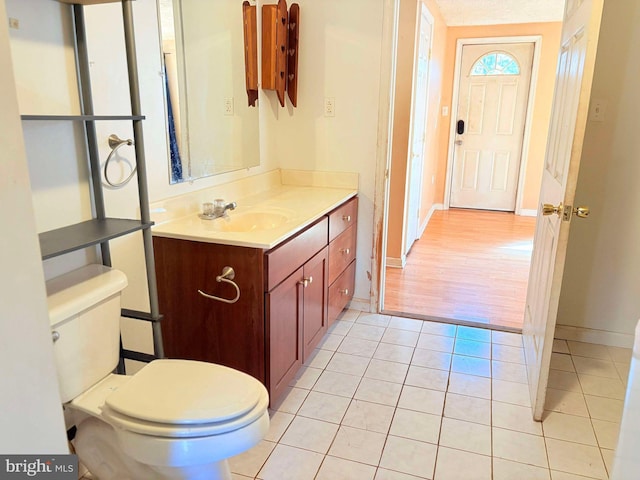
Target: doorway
pixel 418 128
pixel 497 103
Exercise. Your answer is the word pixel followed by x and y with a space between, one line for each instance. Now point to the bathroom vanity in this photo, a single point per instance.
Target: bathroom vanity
pixel 293 254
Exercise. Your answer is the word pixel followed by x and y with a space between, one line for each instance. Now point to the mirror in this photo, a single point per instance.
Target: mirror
pixel 212 128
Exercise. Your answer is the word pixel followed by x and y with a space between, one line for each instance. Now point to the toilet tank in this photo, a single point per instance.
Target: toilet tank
pixel 84 311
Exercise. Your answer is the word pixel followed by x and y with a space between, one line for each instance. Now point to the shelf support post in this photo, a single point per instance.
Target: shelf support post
pixel 143 192
pixel 86 108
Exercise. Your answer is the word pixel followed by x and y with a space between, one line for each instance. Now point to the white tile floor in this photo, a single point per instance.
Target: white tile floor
pixel 389 398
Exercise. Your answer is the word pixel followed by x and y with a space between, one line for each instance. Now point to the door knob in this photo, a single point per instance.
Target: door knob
pixel 565 211
pixel 548 209
pixel 581 212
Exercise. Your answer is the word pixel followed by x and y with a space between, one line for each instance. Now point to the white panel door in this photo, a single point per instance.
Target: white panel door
pixel 492 102
pixel 564 149
pixel 418 129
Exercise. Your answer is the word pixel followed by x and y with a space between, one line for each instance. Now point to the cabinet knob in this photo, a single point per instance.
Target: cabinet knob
pixel 305 282
pixel 345 291
pixel 346 218
pixel 346 251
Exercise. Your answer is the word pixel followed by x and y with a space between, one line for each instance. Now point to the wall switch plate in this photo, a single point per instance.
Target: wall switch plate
pixel 329 107
pixel 598 110
pixel 14 23
pixel 228 106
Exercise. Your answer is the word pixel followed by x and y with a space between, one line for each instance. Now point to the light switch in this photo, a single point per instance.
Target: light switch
pixel 598 110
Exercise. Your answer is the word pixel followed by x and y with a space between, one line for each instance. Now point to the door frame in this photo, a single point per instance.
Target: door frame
pixel 535 68
pixel 420 9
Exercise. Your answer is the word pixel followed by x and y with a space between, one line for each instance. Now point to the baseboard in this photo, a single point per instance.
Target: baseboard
pixel 589 335
pixel 396 262
pixel 361 304
pixel 423 227
pixel 526 212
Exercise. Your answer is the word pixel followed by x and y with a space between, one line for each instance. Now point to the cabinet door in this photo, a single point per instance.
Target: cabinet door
pixel 284 333
pixel 315 283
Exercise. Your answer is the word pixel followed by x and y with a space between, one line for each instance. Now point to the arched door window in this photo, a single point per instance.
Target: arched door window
pixel 496 63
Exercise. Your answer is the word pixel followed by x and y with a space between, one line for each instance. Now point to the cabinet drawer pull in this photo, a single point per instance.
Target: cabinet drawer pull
pixel 345 291
pixel 346 218
pixel 345 251
pixel 305 282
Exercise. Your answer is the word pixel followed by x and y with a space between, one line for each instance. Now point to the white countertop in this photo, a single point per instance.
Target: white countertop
pixel 299 205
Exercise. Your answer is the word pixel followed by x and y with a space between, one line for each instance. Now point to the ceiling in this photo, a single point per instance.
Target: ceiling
pixel 493 12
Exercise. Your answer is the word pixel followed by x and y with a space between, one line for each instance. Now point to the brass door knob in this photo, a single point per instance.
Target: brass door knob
pixel 549 209
pixel 581 212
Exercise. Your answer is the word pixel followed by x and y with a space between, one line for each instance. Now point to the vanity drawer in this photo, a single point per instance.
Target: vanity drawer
pixel 286 258
pixel 343 217
pixel 342 251
pixel 341 292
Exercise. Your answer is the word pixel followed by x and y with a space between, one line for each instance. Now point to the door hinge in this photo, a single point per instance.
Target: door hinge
pixel 386 174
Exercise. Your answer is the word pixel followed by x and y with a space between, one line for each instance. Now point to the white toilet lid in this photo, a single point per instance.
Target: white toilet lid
pixel 186 392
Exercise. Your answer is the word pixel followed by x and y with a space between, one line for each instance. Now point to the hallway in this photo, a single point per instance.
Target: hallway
pixel 470 266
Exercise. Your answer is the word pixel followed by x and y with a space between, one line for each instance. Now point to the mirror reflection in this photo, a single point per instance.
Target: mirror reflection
pixel 212 129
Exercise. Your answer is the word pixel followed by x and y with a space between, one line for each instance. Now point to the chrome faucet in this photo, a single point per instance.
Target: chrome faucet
pixel 220 207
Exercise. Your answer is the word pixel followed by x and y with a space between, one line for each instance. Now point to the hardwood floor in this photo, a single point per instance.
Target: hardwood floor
pixel 470 266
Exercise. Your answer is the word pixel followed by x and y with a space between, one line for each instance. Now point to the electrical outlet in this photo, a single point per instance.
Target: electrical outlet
pixel 14 23
pixel 228 106
pixel 329 107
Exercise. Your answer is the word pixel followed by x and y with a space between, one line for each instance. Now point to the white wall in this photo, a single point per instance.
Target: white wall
pixel 31 419
pixel 602 275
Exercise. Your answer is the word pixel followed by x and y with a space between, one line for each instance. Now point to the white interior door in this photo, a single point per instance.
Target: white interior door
pixel 418 129
pixel 492 107
pixel 564 148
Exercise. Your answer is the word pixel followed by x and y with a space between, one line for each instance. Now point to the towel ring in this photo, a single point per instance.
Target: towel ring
pixel 115 143
pixel 227 276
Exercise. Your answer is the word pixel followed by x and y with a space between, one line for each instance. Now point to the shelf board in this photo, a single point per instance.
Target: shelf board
pixel 89 2
pixel 82 118
pixel 85 234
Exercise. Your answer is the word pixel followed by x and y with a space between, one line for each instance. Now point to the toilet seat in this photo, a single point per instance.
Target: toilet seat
pixel 185 399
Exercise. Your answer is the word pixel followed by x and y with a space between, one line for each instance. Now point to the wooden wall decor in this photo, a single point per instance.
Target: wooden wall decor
pixel 275 21
pixel 280 50
pixel 250 51
pixel 292 60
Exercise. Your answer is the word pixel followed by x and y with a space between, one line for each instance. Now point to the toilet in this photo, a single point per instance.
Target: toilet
pixel 173 419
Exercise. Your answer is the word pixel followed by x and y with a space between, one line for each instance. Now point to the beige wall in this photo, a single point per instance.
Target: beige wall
pixel 402 113
pixel 602 273
pixel 31 421
pixel 550 33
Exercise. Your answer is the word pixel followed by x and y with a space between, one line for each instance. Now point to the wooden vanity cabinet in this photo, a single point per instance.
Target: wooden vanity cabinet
pixel 289 295
pixel 296 320
pixel 198 328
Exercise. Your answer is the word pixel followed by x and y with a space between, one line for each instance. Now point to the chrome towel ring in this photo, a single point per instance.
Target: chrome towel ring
pixel 227 276
pixel 115 143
